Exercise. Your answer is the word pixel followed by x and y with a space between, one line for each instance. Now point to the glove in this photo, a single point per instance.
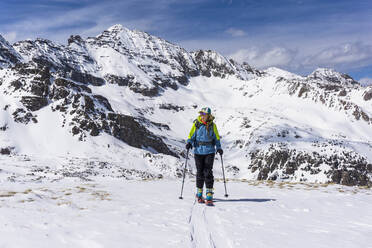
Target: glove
pixel 188 146
pixel 220 151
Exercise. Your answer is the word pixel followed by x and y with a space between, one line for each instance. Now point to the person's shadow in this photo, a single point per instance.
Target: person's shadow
pixel 243 200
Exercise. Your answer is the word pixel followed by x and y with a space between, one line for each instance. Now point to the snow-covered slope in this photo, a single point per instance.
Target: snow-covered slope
pixel 117 213
pixel 128 99
pixel 8 56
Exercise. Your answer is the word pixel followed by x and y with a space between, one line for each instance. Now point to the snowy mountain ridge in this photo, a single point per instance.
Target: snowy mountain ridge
pixel 126 100
pixel 8 56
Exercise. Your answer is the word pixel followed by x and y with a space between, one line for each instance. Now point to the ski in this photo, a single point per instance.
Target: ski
pixel 209 203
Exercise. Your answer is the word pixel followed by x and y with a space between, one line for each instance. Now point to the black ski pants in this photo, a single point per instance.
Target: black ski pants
pixel 204 170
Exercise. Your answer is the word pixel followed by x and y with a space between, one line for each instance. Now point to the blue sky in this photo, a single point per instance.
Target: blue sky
pixel 296 35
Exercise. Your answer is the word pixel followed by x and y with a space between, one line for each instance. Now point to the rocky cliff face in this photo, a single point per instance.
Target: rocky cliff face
pixel 8 56
pixel 139 89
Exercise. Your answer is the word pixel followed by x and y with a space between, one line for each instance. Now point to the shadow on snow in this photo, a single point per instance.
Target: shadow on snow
pixel 243 200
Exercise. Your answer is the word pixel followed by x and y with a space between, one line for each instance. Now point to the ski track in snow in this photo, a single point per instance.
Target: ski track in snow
pixel 205 227
pixel 120 213
pixel 200 234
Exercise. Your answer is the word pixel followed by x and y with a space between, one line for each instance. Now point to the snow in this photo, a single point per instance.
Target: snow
pixel 117 213
pixel 58 191
pixel 282 73
pixel 260 103
pixel 268 111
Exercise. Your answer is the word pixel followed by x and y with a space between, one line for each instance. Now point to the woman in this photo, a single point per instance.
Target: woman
pixel 205 139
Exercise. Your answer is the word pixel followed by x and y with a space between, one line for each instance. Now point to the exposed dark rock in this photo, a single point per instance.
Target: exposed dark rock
pixel 369 168
pixel 89 105
pixel 104 102
pixel 186 69
pixel 367 95
pixel 150 92
pixel 330 87
pixel 129 80
pixel 171 107
pixel 133 173
pixel 347 169
pixel 127 129
pixel 94 129
pixel 38 78
pixel 43 61
pixel 69 84
pixel 134 85
pixel 59 93
pixel 85 78
pixel 6 150
pixel 181 79
pixel 208 66
pixel 365 117
pixel 232 169
pixel 8 55
pixel 303 90
pixel 22 116
pixel 342 93
pixel 263 174
pixel 4 128
pixel 75 130
pixel 40 88
pixel 16 84
pixel 165 82
pixel 75 39
pixel 350 178
pixel 350 79
pixel 34 103
pixel 25 69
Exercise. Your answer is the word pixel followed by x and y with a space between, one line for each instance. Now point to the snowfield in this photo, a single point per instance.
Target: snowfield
pixel 126 100
pixel 108 212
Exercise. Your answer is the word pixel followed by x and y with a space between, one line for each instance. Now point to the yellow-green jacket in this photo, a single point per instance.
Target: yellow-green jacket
pixel 203 141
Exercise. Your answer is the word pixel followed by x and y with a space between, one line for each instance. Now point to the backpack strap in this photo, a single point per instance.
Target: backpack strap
pixel 197 124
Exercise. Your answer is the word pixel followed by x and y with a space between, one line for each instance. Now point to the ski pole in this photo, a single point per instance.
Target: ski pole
pixel 224 180
pixel 184 173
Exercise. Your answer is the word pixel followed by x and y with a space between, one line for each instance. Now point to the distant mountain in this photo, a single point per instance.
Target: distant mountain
pixel 127 95
pixel 8 56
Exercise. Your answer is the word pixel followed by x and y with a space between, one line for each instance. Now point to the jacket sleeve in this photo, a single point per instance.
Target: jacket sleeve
pixel 191 137
pixel 218 142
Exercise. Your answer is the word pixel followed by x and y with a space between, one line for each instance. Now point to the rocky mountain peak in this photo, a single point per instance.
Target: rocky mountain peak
pixel 127 41
pixel 75 39
pixel 116 28
pixel 8 56
pixel 212 63
pixel 118 87
pixel 2 40
pixel 331 76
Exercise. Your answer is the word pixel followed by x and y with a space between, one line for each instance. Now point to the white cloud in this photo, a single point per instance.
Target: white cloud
pixel 236 32
pixel 303 59
pixel 365 81
pixel 279 45
pixel 260 58
pixel 343 55
pixel 88 20
pixel 10 37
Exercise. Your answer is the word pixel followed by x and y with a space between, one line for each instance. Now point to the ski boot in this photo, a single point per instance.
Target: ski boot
pixel 199 195
pixel 209 198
